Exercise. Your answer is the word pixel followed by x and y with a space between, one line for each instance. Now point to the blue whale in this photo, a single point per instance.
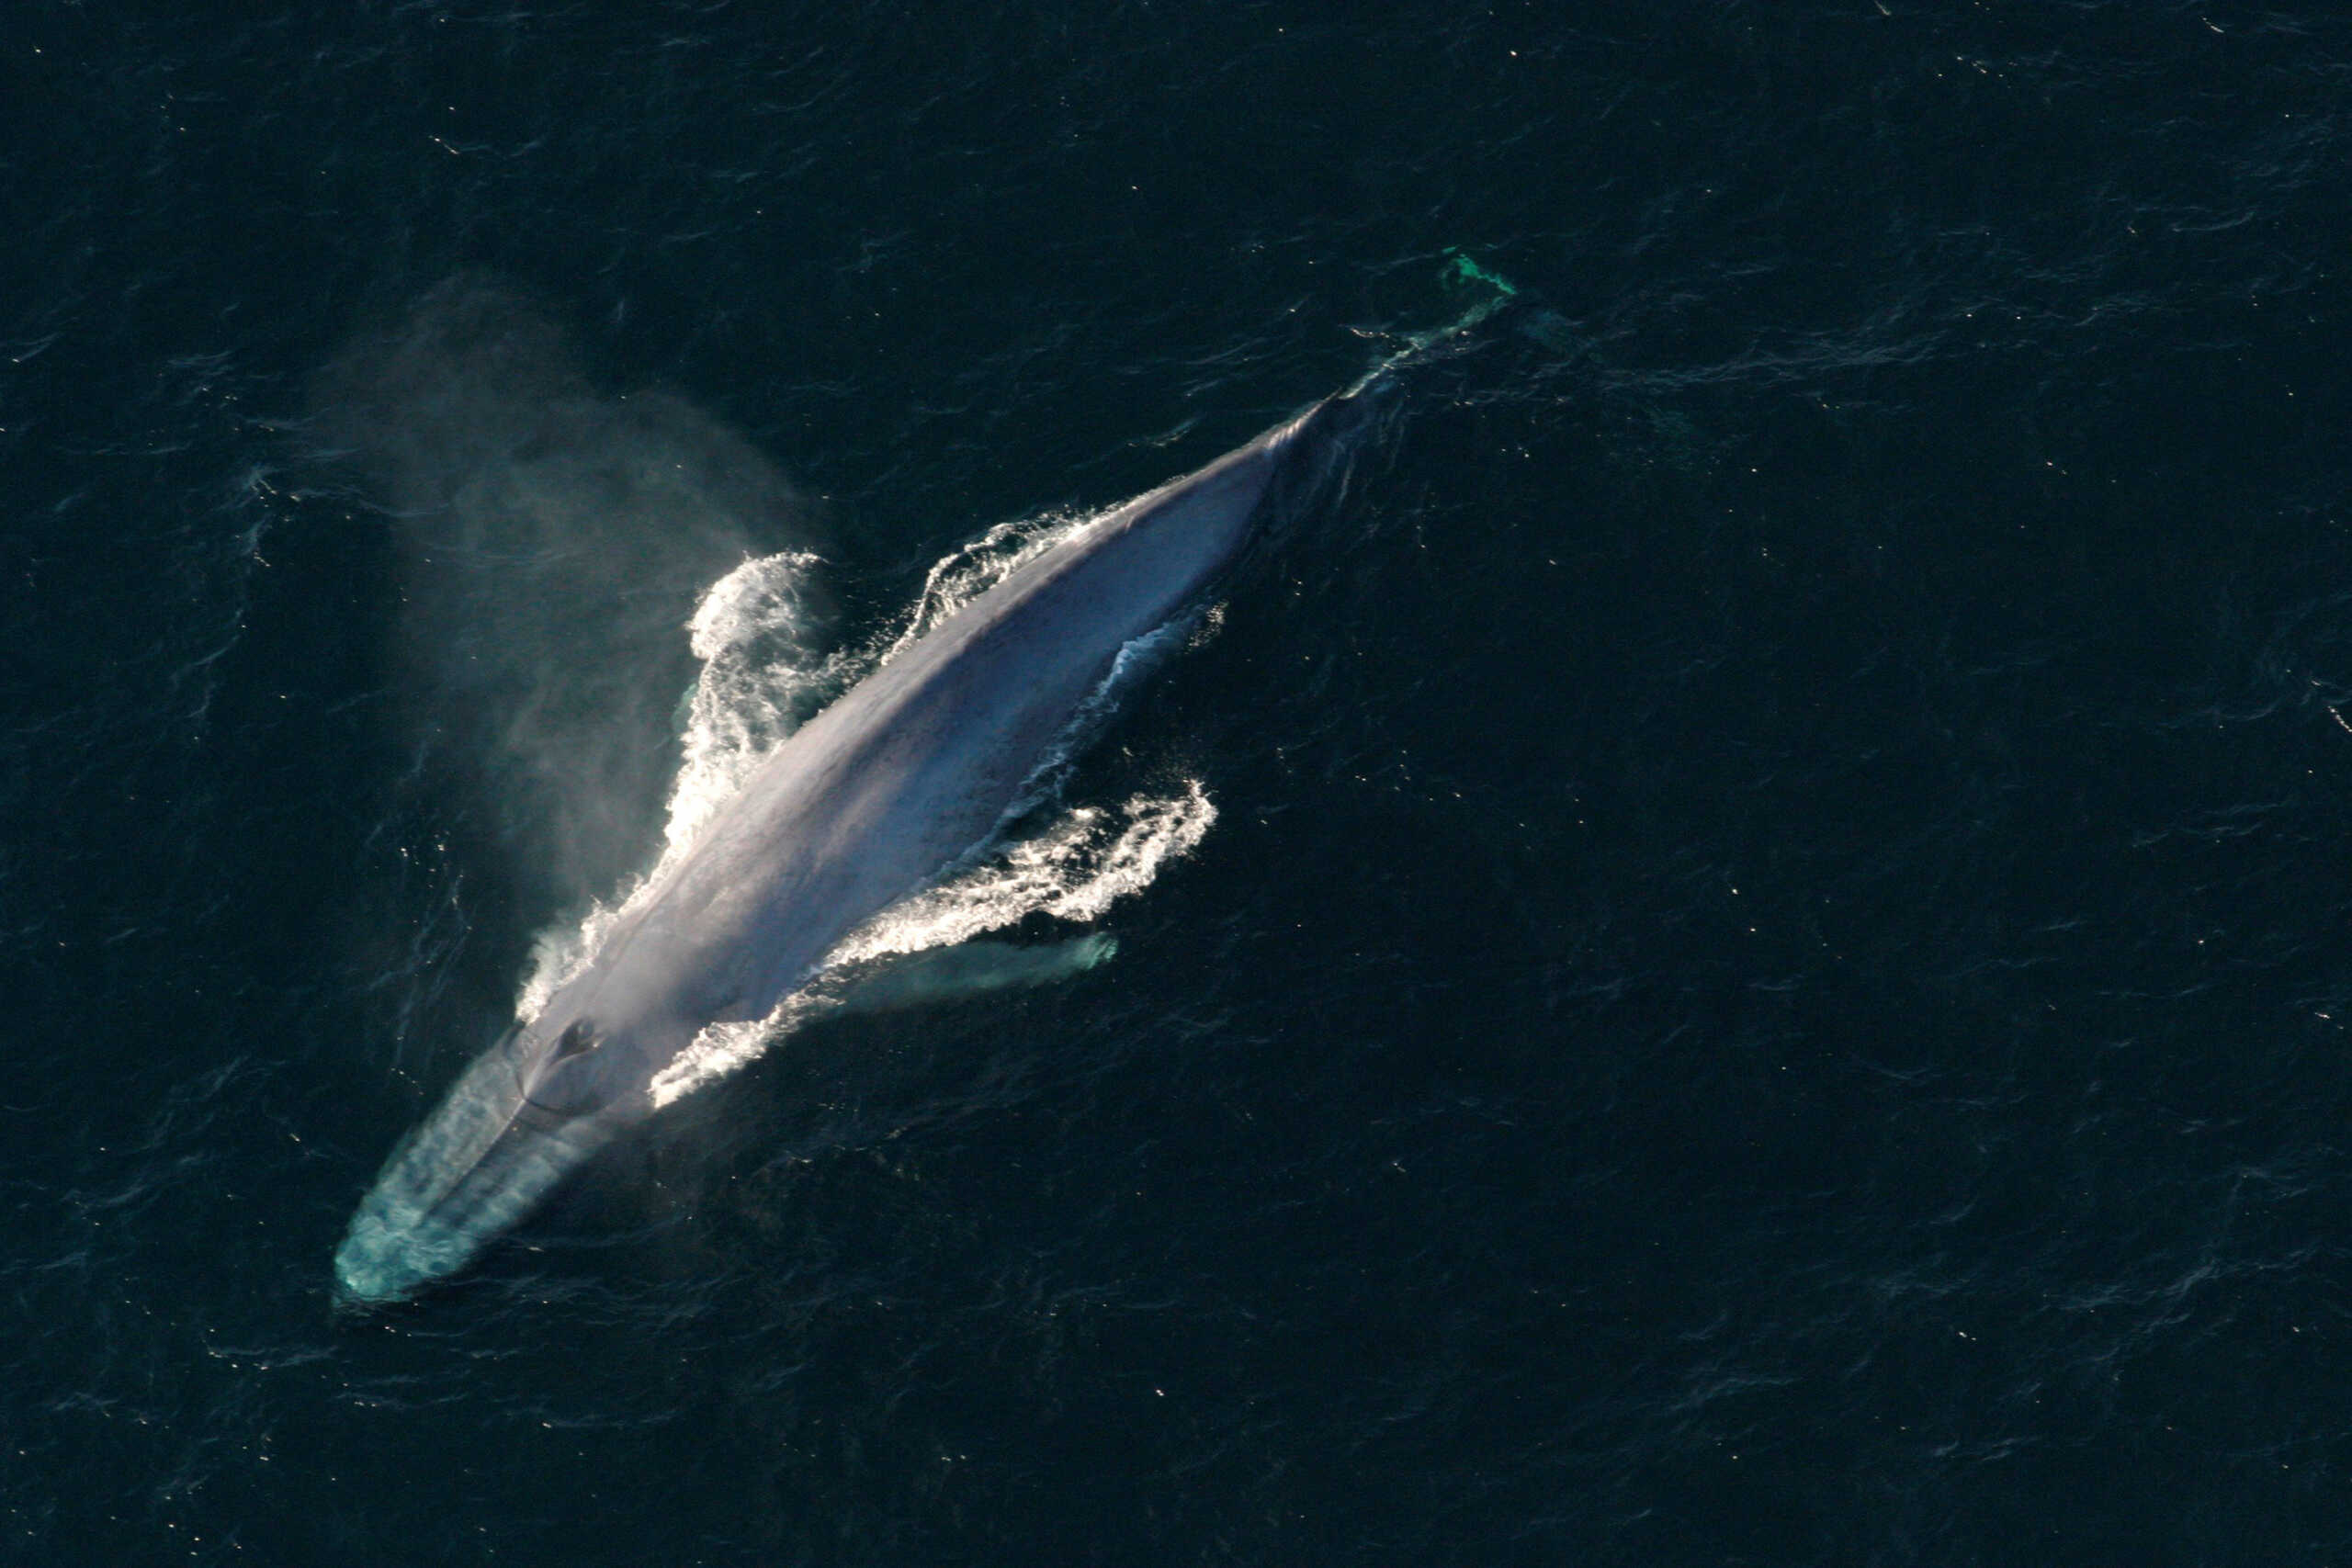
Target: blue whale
pixel 904 775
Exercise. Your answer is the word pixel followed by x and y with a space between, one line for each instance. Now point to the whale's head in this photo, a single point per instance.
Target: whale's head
pixel 534 1109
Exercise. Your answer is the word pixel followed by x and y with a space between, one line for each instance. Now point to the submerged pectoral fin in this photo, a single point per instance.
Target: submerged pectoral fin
pixel 968 969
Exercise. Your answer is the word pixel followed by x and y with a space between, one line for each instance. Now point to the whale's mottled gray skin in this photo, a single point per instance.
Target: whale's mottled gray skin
pixel 868 802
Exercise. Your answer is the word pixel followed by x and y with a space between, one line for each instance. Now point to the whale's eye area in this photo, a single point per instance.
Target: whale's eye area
pixel 557 1085
pixel 577 1041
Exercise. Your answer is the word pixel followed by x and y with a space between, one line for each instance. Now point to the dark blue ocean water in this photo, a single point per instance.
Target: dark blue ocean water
pixel 1770 982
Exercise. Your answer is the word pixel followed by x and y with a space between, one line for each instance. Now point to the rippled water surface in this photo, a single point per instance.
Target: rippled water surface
pixel 1738 953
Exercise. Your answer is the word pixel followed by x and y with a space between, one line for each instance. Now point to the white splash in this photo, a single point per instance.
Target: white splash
pixel 971 569
pixel 761 678
pixel 1082 865
pixel 1074 870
